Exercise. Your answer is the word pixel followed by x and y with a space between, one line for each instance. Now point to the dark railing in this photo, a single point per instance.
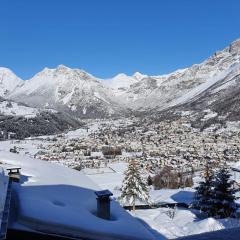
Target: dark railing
pixel 14 234
pixel 5 215
pixel 158 205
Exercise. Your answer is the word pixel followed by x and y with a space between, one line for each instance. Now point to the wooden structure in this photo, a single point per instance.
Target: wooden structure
pixel 14 174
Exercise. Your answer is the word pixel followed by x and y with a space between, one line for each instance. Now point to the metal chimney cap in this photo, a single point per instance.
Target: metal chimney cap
pixel 103 194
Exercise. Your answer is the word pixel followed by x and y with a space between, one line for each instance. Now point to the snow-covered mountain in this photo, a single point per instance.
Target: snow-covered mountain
pixel 161 92
pixel 8 82
pixel 217 104
pixel 66 89
pixel 78 92
pixel 122 82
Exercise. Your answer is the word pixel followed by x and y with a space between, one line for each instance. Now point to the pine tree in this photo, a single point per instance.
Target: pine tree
pixel 134 186
pixel 149 181
pixel 223 195
pixel 204 192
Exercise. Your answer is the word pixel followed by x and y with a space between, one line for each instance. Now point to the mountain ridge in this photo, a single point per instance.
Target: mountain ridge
pixel 84 95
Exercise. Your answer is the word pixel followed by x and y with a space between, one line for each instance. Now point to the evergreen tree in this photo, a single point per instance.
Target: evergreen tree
pixel 204 192
pixel 215 195
pixel 134 186
pixel 223 195
pixel 149 181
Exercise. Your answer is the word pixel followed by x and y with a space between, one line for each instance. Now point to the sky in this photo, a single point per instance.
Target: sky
pixel 107 37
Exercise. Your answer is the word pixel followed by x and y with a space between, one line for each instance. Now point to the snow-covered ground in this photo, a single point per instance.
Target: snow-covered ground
pixel 112 180
pixel 83 132
pixel 184 223
pixel 228 233
pixel 60 200
pixel 25 147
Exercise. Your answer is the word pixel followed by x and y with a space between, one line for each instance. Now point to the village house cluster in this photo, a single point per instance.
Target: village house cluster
pixel 156 145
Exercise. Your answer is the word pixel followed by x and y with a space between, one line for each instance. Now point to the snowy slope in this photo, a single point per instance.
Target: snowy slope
pixel 59 200
pixel 215 102
pixel 204 86
pixel 8 81
pixel 25 121
pixel 16 109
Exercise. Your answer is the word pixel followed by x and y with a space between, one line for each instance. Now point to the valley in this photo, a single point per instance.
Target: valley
pixel 101 150
pixel 173 125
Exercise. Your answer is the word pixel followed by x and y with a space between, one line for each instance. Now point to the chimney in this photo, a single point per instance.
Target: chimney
pixel 103 204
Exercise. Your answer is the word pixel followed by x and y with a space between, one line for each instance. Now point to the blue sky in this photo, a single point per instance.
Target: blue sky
pixel 106 37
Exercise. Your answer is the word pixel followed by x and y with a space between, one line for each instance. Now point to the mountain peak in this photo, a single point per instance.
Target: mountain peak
pixel 139 76
pixel 8 81
pixel 237 41
pixel 61 66
pixel 235 46
pixel 4 70
pixel 121 75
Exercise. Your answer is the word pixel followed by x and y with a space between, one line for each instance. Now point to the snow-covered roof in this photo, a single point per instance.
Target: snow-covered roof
pixel 60 200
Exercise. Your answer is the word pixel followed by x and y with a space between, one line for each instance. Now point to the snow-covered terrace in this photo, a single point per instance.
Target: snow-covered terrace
pixel 55 199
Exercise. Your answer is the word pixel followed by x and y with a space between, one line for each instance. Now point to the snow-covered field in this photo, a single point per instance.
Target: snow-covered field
pixel 25 147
